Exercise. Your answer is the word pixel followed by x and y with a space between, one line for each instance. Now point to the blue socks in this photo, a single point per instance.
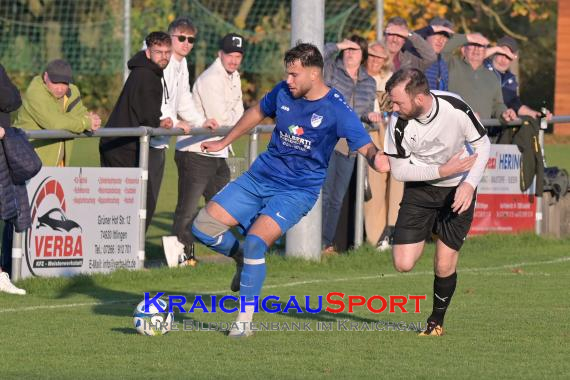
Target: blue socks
pixel 254 268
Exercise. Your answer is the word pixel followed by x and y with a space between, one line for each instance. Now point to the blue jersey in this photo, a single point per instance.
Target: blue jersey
pixel 304 137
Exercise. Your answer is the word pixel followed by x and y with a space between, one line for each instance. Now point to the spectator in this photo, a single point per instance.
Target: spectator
pixel 53 102
pixel 499 60
pixel 378 65
pixel 178 107
pixel 10 101
pixel 381 210
pixel 347 74
pixel 437 34
pixel 406 48
pixel 478 87
pixel 140 105
pixel 217 96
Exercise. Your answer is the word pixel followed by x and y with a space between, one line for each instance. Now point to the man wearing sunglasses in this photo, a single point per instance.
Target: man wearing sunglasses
pixel 217 95
pixel 179 107
pixel 478 87
pixel 499 61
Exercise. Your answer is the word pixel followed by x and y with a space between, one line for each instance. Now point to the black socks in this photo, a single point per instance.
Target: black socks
pixel 443 289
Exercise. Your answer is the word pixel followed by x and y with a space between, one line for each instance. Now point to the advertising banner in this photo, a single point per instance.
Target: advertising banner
pixel 84 220
pixel 501 206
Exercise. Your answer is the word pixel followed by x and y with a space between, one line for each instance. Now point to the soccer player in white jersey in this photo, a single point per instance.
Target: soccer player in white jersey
pixel 438 147
pixel 284 182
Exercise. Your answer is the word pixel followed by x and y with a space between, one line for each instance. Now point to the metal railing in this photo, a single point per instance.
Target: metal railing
pixel 144 134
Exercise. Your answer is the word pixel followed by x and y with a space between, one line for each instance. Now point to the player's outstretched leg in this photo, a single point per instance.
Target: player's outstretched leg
pixel 252 278
pixel 218 237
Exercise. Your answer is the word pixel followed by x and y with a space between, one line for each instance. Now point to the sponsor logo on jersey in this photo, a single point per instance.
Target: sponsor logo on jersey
pixel 285 108
pixel 296 130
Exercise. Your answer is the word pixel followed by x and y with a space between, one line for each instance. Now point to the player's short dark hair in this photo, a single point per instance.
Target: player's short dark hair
pixel 363 47
pixel 307 54
pixel 157 39
pixel 182 24
pixel 416 82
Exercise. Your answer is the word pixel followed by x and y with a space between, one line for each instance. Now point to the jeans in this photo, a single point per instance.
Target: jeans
pixel 336 184
pixel 197 175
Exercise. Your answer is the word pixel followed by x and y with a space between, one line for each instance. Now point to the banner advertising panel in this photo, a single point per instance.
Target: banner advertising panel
pixel 84 220
pixel 501 206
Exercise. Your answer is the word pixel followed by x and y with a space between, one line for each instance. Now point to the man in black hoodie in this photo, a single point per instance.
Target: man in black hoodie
pixel 139 103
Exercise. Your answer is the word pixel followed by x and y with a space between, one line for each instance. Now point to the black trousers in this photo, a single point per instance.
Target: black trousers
pixel 198 176
pixel 156 159
pixel 120 157
pixel 6 259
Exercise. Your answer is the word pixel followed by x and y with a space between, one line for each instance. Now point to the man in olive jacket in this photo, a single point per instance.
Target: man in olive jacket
pixel 52 102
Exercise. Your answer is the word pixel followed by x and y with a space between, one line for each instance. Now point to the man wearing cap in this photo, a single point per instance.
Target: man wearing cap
pixel 442 38
pixel 406 48
pixel 53 102
pixel 469 78
pixel 437 34
pixel 499 60
pixel 217 95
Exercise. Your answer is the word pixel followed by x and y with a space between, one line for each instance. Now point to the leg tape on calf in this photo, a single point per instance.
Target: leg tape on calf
pixel 254 269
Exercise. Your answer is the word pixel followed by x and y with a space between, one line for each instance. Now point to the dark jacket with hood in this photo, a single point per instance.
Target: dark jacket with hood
pixel 10 99
pixel 139 103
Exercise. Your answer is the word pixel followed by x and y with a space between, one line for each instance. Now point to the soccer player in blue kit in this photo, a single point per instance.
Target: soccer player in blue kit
pixel 284 182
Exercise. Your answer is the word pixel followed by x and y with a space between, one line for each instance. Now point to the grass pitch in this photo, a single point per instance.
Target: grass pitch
pixel 509 318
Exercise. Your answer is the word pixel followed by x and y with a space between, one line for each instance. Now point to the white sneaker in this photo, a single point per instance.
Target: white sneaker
pixel 384 244
pixel 241 328
pixel 7 286
pixel 173 249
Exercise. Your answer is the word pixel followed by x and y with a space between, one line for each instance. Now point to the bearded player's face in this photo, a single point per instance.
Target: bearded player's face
pixel 299 79
pixel 406 105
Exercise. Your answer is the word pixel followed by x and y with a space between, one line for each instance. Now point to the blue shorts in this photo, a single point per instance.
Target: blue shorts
pixel 246 198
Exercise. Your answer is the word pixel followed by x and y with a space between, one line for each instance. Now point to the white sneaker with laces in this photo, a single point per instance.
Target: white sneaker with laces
pixel 173 249
pixel 384 244
pixel 7 286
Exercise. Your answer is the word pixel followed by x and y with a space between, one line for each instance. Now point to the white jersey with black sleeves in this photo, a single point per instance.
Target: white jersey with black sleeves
pixel 417 147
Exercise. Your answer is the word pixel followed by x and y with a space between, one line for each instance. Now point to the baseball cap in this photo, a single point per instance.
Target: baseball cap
pixel 59 71
pixel 509 42
pixel 442 22
pixel 232 43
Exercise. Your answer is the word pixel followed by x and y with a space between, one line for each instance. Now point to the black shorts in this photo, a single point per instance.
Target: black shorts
pixel 426 209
